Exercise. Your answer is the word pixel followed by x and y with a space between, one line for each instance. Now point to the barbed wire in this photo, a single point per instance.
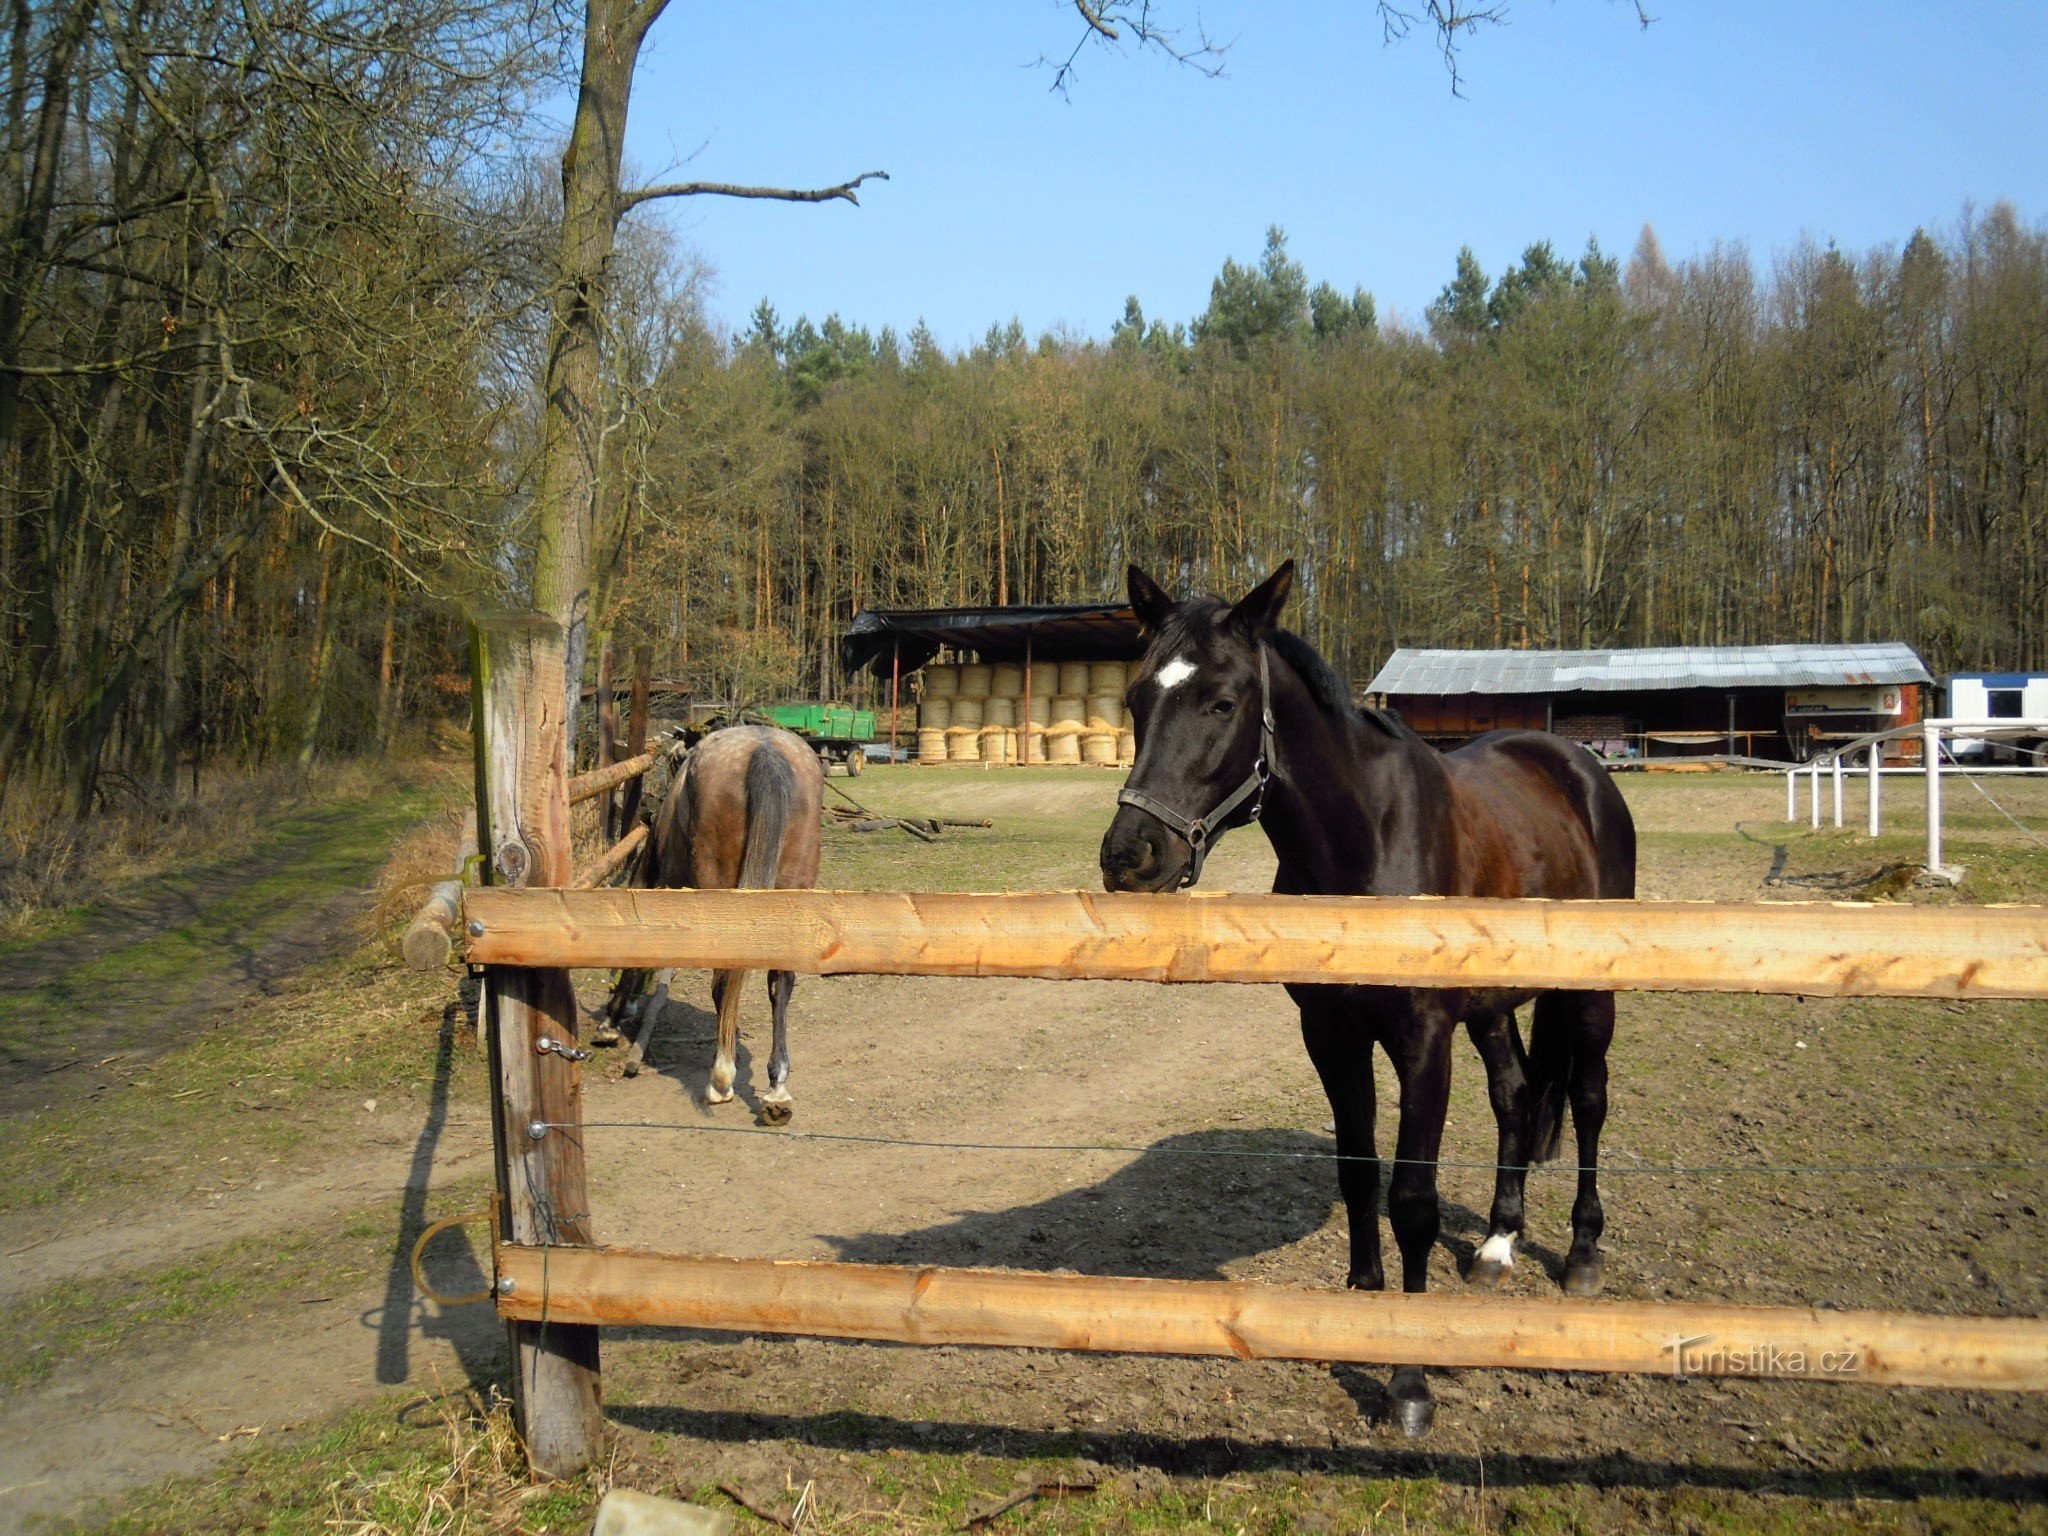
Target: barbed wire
pixel 1697 1170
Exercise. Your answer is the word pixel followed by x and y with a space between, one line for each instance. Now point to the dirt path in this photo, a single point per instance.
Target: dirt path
pixel 170 958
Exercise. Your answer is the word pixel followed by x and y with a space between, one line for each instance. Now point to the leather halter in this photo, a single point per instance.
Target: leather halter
pixel 1197 830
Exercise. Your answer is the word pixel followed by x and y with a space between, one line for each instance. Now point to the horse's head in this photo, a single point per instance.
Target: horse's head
pixel 1201 706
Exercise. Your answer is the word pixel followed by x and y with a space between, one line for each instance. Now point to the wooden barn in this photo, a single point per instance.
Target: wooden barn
pixel 1777 702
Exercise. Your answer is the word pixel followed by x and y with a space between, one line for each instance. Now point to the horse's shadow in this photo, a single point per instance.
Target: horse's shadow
pixel 1187 1208
pixel 684 1038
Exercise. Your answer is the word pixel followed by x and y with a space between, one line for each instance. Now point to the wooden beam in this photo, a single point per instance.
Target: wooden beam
pixel 587 786
pixel 429 941
pixel 523 815
pixel 612 860
pixel 1816 949
pixel 620 1288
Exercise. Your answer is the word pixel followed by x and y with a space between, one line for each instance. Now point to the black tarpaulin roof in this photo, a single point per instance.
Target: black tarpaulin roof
pixel 1056 632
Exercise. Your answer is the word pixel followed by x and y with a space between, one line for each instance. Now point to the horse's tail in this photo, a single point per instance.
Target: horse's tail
pixel 1552 1044
pixel 771 787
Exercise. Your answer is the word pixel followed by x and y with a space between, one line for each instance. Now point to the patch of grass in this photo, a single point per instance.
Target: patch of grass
pixel 441 1465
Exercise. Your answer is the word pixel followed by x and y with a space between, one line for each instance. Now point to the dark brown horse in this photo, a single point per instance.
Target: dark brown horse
pixel 1239 720
pixel 743 812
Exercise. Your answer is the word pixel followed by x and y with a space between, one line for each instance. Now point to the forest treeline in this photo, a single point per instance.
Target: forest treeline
pixel 275 300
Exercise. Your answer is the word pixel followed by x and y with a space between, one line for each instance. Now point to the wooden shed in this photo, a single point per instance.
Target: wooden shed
pixel 1776 702
pixel 1045 682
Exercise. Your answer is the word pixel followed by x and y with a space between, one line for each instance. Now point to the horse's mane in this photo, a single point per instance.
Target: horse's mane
pixel 1201 619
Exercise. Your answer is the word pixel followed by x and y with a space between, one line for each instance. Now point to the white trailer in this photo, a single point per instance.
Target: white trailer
pixel 2005 702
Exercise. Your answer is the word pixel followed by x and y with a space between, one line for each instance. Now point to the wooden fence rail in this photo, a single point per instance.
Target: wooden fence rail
pixel 1808 948
pixel 588 786
pixel 621 1288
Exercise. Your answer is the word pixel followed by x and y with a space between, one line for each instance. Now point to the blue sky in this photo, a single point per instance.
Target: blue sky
pixel 1727 120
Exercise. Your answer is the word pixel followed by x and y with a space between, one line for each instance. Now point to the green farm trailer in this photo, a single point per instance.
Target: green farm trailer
pixel 839 734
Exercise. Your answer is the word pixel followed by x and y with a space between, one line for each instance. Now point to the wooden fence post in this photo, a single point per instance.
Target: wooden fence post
pixel 607 738
pixel 523 834
pixel 636 738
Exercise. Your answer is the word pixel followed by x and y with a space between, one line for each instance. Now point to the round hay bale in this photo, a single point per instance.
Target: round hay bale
pixel 1037 710
pixel 1006 680
pixel 1032 744
pixel 1063 748
pixel 997 710
pixel 1072 679
pixel 975 678
pixel 935 714
pixel 1106 712
pixel 996 744
pixel 931 746
pixel 1108 677
pixel 1127 747
pixel 963 744
pixel 1098 747
pixel 941 681
pixel 968 712
pixel 1068 712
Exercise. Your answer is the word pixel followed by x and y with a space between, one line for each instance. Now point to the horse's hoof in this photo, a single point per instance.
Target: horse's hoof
pixel 717 1095
pixel 1487 1273
pixel 631 1068
pixel 1414 1409
pixel 1582 1276
pixel 606 1033
pixel 776 1113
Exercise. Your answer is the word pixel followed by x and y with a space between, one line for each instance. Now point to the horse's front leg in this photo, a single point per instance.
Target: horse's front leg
pixel 726 987
pixel 776 1104
pixel 1507 1087
pixel 1421 1052
pixel 1340 1046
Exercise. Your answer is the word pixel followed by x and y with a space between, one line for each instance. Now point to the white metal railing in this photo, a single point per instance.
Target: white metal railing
pixel 1931 732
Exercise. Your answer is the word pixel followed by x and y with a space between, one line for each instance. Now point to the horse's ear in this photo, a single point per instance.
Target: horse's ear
pixel 1259 609
pixel 1148 600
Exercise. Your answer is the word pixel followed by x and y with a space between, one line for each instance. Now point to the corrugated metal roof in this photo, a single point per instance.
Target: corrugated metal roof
pixel 1057 632
pixel 1425 672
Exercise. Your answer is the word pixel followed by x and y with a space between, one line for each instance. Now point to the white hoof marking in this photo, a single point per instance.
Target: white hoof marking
pixel 1498 1249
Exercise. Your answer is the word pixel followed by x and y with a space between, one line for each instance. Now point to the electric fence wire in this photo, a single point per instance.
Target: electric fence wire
pixel 1696 1170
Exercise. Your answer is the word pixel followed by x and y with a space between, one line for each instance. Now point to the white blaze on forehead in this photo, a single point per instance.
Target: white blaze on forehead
pixel 1174 673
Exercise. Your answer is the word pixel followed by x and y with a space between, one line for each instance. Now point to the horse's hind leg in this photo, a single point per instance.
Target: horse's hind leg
pixel 1588 1086
pixel 776 1104
pixel 726 987
pixel 1507 1086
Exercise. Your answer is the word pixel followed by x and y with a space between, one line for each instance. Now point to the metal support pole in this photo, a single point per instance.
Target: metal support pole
pixel 895 693
pixel 1876 779
pixel 1930 760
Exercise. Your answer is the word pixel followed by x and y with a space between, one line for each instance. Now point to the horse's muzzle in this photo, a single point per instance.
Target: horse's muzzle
pixel 1139 853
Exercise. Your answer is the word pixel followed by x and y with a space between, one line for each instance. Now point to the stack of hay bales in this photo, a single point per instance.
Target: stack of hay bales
pixel 935 712
pixel 976 713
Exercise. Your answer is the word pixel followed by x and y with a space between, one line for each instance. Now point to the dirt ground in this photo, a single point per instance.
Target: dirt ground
pixel 1104 1128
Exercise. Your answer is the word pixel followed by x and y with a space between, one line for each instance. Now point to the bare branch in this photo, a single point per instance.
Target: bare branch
pixel 845 191
pixel 1094 19
pixel 1108 21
